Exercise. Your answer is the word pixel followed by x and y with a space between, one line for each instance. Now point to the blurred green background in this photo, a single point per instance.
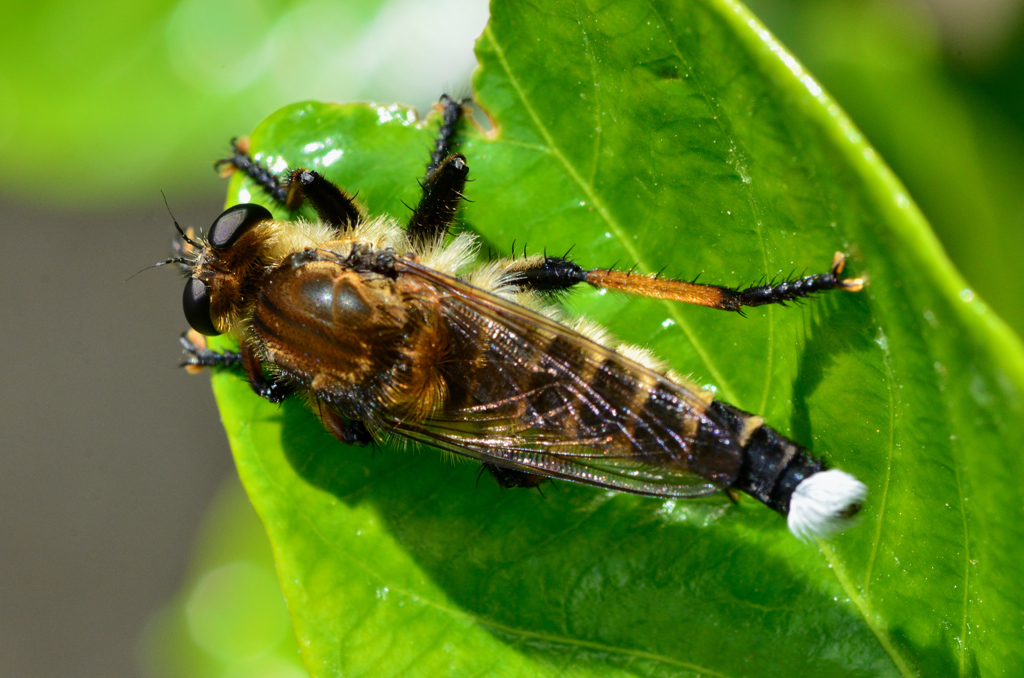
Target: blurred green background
pixel 111 456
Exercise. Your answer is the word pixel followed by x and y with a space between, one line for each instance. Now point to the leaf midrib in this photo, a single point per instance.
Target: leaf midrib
pixel 862 605
pixel 751 201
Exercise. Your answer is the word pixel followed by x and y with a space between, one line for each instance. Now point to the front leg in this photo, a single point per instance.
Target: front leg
pixel 334 206
pixel 240 160
pixel 442 196
pixel 199 356
pixel 444 182
pixel 291 189
pixel 451 113
pixel 270 388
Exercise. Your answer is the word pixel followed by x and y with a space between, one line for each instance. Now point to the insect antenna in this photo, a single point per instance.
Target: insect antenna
pixel 173 260
pixel 183 234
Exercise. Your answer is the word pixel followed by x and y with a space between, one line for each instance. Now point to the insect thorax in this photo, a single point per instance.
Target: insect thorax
pixel 350 330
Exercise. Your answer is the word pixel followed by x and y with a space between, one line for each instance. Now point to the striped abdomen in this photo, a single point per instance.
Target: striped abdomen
pixel 533 396
pixel 772 464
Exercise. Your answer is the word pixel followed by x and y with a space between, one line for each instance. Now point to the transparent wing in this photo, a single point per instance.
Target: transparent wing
pixel 530 394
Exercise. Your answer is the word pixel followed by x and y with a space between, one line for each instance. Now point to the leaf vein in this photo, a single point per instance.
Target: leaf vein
pixel 864 607
pixel 605 214
pixel 592 62
pixel 967 567
pixel 890 389
pixel 522 634
pixel 751 199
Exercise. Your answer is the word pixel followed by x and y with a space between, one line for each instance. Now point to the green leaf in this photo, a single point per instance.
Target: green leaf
pixel 674 134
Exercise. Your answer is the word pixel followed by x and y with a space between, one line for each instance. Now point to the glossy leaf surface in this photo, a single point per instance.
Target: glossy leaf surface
pixel 674 135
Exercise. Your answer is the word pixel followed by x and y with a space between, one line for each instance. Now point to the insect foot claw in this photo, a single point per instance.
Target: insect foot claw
pixel 198 355
pixel 838 263
pixel 194 345
pixel 850 284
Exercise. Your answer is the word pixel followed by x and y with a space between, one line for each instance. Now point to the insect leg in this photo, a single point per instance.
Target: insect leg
pixel 442 194
pixel 264 178
pixel 332 205
pixel 444 181
pixel 506 477
pixel 451 113
pixel 545 274
pixel 350 432
pixel 270 388
pixel 726 298
pixel 199 356
pixel 554 274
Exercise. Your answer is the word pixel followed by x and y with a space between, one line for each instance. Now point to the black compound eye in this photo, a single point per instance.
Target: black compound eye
pixel 196 302
pixel 234 222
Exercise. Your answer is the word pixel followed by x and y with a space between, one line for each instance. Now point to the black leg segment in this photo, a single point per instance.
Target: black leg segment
pixel 264 178
pixel 798 288
pixel 334 207
pixel 270 388
pixel 348 431
pixel 442 195
pixel 547 274
pixel 451 113
pixel 507 477
pixel 198 355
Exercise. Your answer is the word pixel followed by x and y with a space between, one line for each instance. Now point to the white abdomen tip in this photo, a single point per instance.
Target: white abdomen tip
pixel 823 504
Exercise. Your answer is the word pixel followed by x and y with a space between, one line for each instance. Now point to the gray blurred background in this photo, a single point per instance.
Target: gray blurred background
pixel 110 455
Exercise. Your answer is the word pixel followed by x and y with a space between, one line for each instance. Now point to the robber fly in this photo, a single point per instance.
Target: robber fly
pixel 390 330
